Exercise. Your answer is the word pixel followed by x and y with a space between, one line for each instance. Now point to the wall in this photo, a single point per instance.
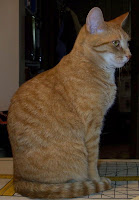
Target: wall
pixel 21 42
pixel 9 51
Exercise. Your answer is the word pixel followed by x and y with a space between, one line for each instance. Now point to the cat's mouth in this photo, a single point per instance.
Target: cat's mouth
pixel 115 62
pixel 120 63
pixel 125 60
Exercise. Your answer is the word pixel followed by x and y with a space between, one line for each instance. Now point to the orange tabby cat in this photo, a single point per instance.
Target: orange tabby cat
pixel 55 119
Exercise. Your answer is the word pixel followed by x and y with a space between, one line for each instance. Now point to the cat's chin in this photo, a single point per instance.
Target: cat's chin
pixel 120 65
pixel 114 66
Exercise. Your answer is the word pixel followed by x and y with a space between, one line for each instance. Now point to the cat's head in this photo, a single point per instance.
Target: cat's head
pixel 108 39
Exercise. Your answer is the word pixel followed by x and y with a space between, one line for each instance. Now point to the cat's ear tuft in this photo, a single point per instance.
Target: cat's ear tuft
pixel 121 19
pixel 95 21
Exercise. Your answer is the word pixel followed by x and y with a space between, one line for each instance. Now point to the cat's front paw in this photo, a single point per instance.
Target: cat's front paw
pixel 107 182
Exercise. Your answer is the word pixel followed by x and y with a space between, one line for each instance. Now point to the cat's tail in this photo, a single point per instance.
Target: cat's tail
pixel 59 191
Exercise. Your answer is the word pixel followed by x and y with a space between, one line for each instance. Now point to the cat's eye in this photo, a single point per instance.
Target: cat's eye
pixel 116 43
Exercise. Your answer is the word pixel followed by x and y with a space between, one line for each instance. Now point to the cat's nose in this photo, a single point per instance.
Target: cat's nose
pixel 129 56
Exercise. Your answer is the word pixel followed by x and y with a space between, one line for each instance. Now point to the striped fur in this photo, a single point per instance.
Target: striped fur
pixel 55 119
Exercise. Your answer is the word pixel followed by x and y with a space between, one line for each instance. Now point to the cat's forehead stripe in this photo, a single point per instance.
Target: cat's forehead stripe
pixel 101 44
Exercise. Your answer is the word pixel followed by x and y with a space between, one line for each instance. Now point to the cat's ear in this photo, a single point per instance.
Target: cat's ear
pixel 95 21
pixel 121 19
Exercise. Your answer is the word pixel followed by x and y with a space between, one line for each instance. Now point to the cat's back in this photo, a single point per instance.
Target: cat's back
pixel 31 101
pixel 35 86
pixel 40 102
